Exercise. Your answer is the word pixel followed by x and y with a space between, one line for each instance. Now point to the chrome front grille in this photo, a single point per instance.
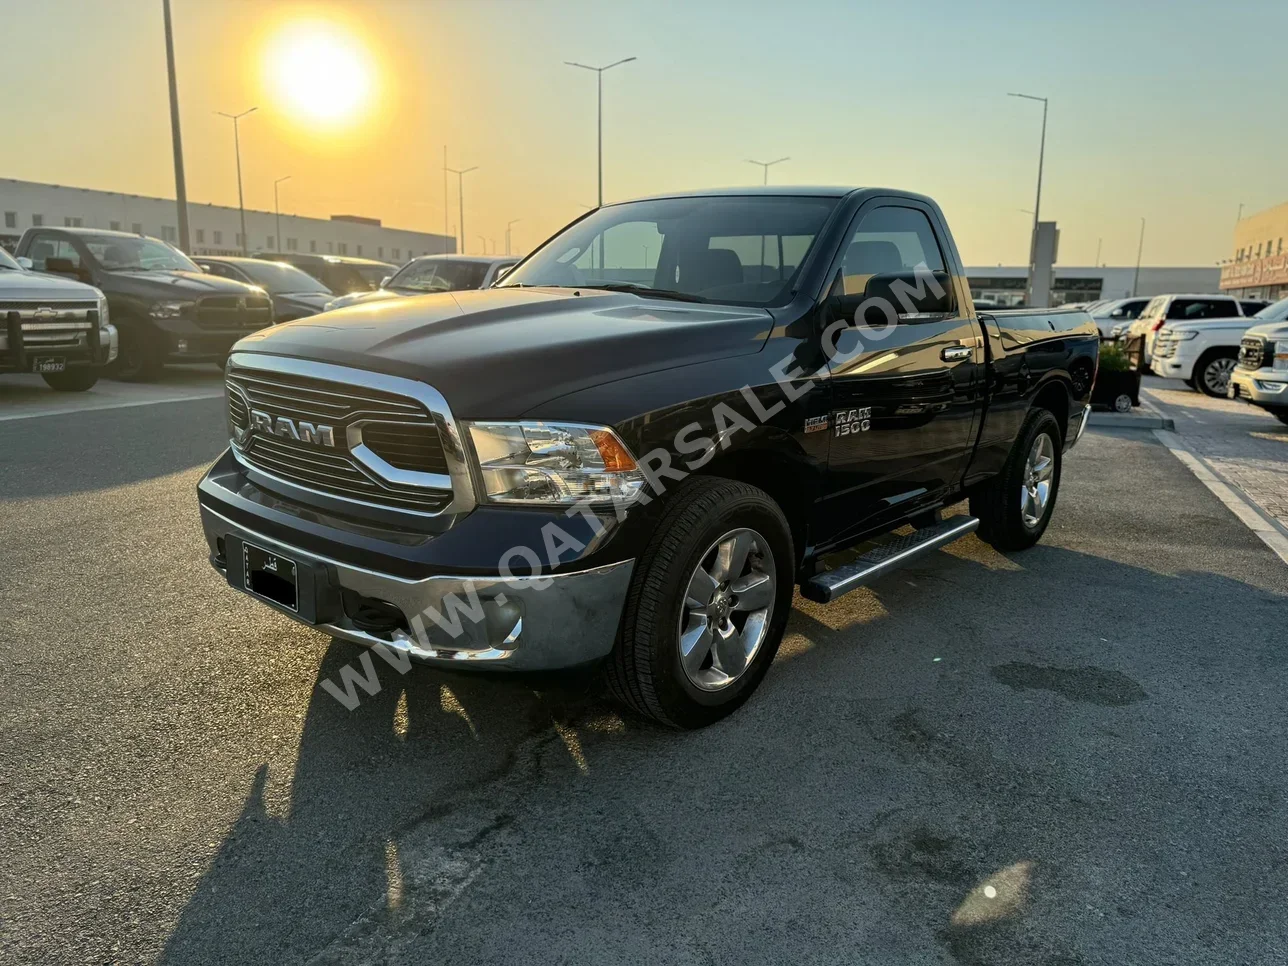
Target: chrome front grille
pixel 49 324
pixel 243 312
pixel 352 440
pixel 1252 352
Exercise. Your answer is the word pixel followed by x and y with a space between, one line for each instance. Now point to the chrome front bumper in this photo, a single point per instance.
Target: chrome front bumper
pixel 522 623
pixel 1263 387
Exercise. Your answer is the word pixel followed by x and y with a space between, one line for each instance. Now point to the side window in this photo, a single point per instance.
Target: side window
pixel 890 240
pixel 1132 310
pixel 45 247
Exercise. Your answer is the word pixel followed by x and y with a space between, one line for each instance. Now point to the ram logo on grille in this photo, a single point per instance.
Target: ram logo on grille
pixel 316 433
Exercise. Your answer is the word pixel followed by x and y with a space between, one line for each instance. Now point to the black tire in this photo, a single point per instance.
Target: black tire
pixel 1281 415
pixel 1192 384
pixel 644 671
pixel 71 380
pixel 137 359
pixel 1206 379
pixel 997 503
pixel 222 363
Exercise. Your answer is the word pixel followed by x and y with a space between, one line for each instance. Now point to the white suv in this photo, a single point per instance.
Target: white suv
pixel 1262 374
pixel 1203 352
pixel 1174 309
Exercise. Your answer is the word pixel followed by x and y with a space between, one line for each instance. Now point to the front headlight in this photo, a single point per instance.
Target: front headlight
pixel 169 310
pixel 554 463
pixel 1185 336
pixel 1279 351
pixel 102 310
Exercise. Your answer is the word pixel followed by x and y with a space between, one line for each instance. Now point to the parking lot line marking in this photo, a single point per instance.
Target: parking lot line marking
pixel 1248 513
pixel 110 405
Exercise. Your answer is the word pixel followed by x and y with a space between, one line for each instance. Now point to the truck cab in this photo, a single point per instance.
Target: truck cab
pixel 164 307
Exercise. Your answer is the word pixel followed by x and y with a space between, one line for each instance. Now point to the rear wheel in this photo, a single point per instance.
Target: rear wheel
pixel 1212 374
pixel 71 380
pixel 707 605
pixel 1015 506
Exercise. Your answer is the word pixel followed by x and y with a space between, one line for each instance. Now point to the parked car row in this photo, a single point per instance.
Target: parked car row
pixel 168 308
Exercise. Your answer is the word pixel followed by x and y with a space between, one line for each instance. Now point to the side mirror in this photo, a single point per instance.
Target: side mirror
pixel 1118 314
pixel 24 262
pixel 385 281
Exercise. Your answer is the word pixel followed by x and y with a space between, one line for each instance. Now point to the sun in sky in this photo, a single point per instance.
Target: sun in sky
pixel 321 73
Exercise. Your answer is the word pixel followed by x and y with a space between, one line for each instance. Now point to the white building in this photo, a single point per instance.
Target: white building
pixel 214 229
pixel 1006 284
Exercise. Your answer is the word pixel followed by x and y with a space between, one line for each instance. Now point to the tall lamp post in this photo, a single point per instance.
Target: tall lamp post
pixel 599 78
pixel 508 226
pixel 277 212
pixel 767 165
pixel 180 183
pixel 1037 205
pixel 241 203
pixel 460 197
pixel 1140 247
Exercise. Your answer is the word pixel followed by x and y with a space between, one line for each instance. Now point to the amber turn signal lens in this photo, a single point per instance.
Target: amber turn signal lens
pixel 616 458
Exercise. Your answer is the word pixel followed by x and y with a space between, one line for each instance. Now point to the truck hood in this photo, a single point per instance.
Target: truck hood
pixel 1270 330
pixel 1210 325
pixel 177 285
pixel 26 286
pixel 499 352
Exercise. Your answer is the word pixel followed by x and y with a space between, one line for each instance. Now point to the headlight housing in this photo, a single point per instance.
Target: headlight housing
pixel 1184 335
pixel 537 462
pixel 1279 352
pixel 169 310
pixel 103 320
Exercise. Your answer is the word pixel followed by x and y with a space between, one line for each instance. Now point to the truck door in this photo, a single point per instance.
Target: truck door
pixel 906 392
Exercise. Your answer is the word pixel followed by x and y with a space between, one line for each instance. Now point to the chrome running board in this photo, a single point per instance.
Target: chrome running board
pixel 879 561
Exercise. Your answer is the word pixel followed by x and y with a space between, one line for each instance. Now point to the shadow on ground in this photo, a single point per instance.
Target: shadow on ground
pixel 963 764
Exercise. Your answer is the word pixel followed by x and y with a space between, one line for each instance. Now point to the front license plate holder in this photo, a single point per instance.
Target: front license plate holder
pixel 282 579
pixel 48 364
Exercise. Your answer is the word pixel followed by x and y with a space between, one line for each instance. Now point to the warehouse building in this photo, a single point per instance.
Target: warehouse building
pixel 1259 266
pixel 214 229
pixel 1005 285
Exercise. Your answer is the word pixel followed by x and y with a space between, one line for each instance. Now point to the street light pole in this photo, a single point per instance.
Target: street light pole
pixel 241 203
pixel 1099 242
pixel 444 197
pixel 180 183
pixel 460 197
pixel 1037 205
pixel 1135 282
pixel 277 213
pixel 766 165
pixel 599 77
pixel 508 225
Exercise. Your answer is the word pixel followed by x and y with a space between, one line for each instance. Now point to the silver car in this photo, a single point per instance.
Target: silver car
pixel 434 273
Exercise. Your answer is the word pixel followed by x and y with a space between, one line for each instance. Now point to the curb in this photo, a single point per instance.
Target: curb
pixel 1130 421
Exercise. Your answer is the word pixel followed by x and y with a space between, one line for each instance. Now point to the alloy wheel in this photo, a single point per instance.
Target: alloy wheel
pixel 1216 375
pixel 1039 468
pixel 728 602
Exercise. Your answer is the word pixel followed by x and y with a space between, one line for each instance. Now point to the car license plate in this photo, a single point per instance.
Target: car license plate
pixel 48 364
pixel 271 577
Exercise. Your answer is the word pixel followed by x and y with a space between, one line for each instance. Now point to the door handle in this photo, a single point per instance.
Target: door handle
pixel 955 353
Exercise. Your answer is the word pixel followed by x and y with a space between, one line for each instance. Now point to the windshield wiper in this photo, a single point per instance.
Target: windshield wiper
pixel 646 292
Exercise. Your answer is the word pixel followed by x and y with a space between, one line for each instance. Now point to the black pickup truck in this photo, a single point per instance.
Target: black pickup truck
pixel 162 304
pixel 634 448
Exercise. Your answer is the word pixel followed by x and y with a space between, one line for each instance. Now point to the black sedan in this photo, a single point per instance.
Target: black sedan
pixel 295 293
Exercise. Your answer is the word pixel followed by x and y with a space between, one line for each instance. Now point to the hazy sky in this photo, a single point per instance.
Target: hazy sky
pixel 1172 111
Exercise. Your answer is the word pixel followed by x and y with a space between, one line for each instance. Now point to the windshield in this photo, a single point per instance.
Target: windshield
pixel 373 275
pixel 7 263
pixel 740 250
pixel 439 275
pixel 278 278
pixel 1274 312
pixel 121 253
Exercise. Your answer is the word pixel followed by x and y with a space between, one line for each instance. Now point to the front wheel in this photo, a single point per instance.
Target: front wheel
pixel 1281 415
pixel 137 360
pixel 1214 371
pixel 707 605
pixel 71 380
pixel 1015 506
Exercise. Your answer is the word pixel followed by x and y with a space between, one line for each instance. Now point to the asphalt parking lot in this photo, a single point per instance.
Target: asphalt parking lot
pixel 1067 756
